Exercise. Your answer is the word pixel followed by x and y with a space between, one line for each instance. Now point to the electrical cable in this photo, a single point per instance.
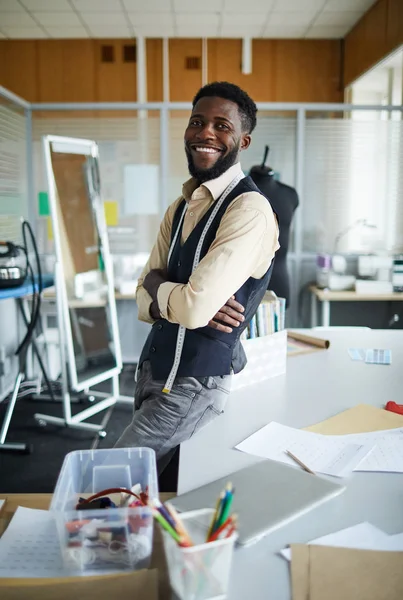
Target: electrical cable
pixel 37 287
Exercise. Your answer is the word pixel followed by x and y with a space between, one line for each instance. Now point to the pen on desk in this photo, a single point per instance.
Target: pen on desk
pixel 299 462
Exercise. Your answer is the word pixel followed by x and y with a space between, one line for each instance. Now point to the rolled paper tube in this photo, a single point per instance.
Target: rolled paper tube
pixel 308 339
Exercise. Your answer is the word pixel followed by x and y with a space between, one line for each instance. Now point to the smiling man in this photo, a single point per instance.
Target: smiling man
pixel 204 280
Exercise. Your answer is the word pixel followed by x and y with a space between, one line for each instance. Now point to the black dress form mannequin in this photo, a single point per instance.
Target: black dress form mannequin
pixel 284 200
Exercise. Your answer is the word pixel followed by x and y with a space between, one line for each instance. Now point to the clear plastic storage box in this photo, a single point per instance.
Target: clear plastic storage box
pixel 105 539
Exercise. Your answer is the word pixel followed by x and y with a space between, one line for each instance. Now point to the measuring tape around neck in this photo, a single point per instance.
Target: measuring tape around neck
pixel 180 339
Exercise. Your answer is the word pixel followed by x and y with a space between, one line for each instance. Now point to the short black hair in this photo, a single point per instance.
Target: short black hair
pixel 230 91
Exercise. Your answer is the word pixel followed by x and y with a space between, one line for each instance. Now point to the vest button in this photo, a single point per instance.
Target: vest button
pixel 153 349
pixel 179 263
pixel 159 327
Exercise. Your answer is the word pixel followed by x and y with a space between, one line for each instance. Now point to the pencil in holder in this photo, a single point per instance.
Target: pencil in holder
pixel 201 571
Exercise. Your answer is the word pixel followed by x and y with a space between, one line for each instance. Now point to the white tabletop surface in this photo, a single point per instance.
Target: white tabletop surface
pixel 315 387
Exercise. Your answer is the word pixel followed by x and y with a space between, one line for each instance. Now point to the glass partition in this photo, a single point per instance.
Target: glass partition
pixel 352 181
pixel 13 170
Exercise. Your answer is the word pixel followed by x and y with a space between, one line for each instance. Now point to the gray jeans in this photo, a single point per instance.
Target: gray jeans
pixel 163 421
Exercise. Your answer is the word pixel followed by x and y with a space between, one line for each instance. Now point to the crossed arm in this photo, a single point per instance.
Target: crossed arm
pixel 244 246
pixel 229 316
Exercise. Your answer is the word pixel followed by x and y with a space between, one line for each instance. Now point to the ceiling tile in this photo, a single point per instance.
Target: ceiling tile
pixel 10 6
pixel 24 33
pixel 147 6
pixel 337 19
pixel 239 31
pixel 197 7
pixel 46 6
pixel 17 20
pixel 149 20
pixel 298 5
pixel 67 32
pixel 102 18
pixel 98 5
pixel 104 31
pixel 326 32
pixel 248 6
pixel 345 5
pixel 291 18
pixel 69 19
pixel 248 20
pixel 277 32
pixel 203 31
pixel 156 31
pixel 193 21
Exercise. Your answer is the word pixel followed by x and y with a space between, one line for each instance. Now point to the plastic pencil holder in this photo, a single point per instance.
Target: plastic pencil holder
pixel 200 572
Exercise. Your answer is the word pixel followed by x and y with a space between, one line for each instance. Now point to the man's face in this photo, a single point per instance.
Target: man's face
pixel 214 138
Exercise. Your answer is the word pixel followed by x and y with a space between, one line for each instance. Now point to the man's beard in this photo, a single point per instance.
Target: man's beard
pixel 222 164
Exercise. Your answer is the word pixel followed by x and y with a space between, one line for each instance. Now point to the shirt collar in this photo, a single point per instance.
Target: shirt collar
pixel 215 186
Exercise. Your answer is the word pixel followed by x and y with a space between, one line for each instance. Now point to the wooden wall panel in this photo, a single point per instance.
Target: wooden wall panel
pixel 394 24
pixel 224 64
pixel 376 35
pixel 115 81
pixel 154 70
pixel 308 71
pixel 183 83
pixel 282 70
pixel 72 70
pixel 78 71
pixel 50 70
pixel 18 67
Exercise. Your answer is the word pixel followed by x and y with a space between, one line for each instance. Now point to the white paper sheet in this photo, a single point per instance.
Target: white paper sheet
pixel 141 189
pixel 394 543
pixel 363 536
pixel 30 547
pixel 321 452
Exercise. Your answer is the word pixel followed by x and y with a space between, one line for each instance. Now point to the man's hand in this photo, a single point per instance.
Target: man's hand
pixel 229 314
pixel 152 282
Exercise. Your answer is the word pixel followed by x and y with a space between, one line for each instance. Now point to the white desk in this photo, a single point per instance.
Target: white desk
pixel 315 387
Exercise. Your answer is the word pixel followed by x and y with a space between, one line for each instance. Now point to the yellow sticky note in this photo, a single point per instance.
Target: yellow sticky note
pixel 50 228
pixel 111 213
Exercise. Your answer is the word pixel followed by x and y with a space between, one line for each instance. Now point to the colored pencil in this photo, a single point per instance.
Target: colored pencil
pixel 229 495
pixel 165 525
pixel 215 516
pixel 164 512
pixel 214 536
pixel 180 528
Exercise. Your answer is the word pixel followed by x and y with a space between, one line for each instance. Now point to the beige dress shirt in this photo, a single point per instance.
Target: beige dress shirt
pixel 245 244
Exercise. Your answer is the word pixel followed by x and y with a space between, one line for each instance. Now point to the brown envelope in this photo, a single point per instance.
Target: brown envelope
pixel 359 419
pixel 333 573
pixel 299 571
